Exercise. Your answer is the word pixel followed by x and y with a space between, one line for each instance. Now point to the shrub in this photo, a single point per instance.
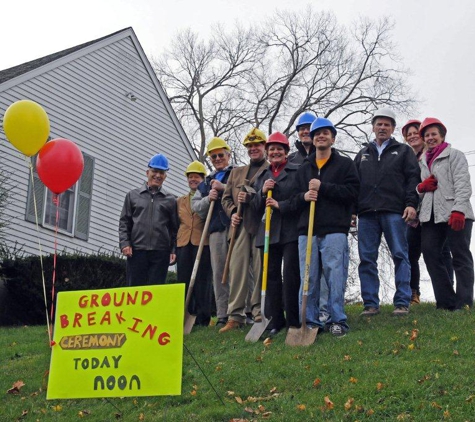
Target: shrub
pixel 77 271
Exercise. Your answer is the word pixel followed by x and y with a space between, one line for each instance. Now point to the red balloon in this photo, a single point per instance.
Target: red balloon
pixel 60 164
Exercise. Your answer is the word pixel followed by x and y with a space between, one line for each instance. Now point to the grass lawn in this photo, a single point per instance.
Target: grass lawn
pixel 420 367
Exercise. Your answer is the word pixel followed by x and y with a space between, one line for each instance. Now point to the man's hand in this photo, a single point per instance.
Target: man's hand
pixel 235 220
pixel 213 195
pixel 271 202
pixel 127 251
pixel 409 214
pixel 353 220
pixel 172 259
pixel 244 197
pixel 314 184
pixel 311 195
pixel 216 184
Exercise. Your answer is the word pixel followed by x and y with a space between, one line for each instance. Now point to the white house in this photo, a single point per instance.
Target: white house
pixel 104 96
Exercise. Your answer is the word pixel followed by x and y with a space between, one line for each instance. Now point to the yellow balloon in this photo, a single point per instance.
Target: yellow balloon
pixel 26 126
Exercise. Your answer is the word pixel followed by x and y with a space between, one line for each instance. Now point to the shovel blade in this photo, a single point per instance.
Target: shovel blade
pixel 189 322
pixel 304 336
pixel 257 330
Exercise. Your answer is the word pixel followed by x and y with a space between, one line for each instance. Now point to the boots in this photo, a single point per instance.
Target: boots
pixel 415 298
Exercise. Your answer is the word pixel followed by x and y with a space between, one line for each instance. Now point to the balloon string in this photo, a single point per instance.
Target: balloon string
pixel 56 202
pixel 39 247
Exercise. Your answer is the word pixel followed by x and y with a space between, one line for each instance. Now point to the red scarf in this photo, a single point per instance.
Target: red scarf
pixel 432 154
pixel 277 169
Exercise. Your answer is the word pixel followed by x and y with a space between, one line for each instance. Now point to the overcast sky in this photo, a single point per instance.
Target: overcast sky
pixel 434 38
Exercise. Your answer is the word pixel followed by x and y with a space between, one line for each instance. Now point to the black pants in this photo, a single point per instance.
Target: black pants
pixel 433 238
pixel 147 267
pixel 283 296
pixel 414 242
pixel 200 303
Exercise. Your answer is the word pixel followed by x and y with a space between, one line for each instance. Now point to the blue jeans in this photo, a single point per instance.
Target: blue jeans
pixel 370 228
pixel 330 256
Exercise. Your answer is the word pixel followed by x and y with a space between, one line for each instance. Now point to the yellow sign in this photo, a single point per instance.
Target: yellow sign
pixel 118 343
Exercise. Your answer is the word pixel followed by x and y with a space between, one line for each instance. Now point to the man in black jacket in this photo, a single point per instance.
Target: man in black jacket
pixel 148 227
pixel 389 174
pixel 331 180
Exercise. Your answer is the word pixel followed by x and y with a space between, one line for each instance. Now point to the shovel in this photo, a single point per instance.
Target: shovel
pixel 304 336
pixel 244 188
pixel 190 319
pixel 258 328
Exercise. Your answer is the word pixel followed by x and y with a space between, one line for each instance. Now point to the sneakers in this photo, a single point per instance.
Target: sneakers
pixel 415 298
pixel 338 330
pixel 370 311
pixel 400 311
pixel 231 325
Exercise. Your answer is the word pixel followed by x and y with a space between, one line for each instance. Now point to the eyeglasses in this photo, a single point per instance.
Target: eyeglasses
pixel 220 155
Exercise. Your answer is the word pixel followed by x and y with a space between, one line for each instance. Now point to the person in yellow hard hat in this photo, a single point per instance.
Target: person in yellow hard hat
pixel 211 190
pixel 245 264
pixel 188 241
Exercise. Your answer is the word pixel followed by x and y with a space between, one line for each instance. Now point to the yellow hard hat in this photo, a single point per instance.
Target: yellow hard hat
pixel 196 167
pixel 255 136
pixel 217 143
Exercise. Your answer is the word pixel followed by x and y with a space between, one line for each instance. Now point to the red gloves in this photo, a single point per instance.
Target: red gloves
pixel 428 185
pixel 457 221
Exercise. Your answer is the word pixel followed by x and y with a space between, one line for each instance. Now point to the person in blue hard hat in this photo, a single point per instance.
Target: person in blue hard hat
pixel 331 180
pixel 304 144
pixel 148 227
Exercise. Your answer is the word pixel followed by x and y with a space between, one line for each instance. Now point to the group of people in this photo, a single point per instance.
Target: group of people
pixel 416 193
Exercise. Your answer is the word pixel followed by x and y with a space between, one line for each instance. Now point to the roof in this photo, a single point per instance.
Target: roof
pixel 12 72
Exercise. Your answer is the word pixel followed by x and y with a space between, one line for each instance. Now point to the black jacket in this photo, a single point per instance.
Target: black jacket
pixel 300 155
pixel 388 182
pixel 336 196
pixel 283 225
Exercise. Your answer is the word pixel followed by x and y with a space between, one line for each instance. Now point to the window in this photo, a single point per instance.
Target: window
pixel 74 206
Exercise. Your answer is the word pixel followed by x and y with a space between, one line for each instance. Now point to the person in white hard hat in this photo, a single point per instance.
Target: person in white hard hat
pixel 389 174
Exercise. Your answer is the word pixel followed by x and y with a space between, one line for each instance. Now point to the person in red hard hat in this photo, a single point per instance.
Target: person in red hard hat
pixel 279 177
pixel 446 214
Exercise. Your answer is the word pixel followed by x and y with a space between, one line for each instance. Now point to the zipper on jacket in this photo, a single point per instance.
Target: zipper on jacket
pixel 151 221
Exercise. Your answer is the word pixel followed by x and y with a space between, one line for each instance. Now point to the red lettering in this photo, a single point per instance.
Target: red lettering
pixel 118 302
pixel 151 330
pixel 146 297
pixel 77 320
pixel 106 318
pixel 91 318
pixel 106 299
pixel 64 321
pixel 94 300
pixel 83 301
pixel 120 318
pixel 163 339
pixel 134 328
pixel 132 299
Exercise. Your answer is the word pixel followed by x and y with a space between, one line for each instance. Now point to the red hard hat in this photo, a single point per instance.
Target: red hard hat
pixel 278 138
pixel 429 121
pixel 412 122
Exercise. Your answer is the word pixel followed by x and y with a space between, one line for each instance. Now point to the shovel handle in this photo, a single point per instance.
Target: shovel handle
pixel 233 237
pixel 265 263
pixel 308 257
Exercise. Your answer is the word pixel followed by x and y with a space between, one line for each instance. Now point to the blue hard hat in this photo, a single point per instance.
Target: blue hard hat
pixel 319 123
pixel 159 162
pixel 305 119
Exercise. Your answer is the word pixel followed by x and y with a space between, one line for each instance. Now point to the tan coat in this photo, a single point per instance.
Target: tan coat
pixel 191 224
pixel 230 197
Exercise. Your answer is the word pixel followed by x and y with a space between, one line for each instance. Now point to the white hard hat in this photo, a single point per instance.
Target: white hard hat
pixel 384 112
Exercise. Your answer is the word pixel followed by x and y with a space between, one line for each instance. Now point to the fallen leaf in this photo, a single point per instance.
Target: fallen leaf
pixel 261 408
pixel 317 382
pixel 230 393
pixel 248 410
pixel 360 342
pixel 266 415
pixel 238 399
pixel 454 338
pixel 328 403
pixel 193 393
pixel 359 408
pixel 414 322
pixel 436 405
pixel 347 357
pixel 370 412
pixel 267 341
pixel 353 380
pixel 57 408
pixel 301 407
pixel 379 386
pixel 446 414
pixel 239 420
pixel 410 347
pixel 470 398
pixel 456 352
pixel 349 403
pixel 16 387
pixel 141 417
pixel 423 379
pixel 414 334
pixel 273 390
pixel 24 413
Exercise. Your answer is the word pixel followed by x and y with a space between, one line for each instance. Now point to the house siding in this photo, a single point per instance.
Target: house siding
pixel 85 98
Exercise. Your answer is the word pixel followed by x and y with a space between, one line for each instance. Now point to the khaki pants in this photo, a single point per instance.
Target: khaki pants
pixel 244 274
pixel 218 246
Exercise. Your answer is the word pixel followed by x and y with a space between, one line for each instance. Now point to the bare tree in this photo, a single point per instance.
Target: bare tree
pixel 268 77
